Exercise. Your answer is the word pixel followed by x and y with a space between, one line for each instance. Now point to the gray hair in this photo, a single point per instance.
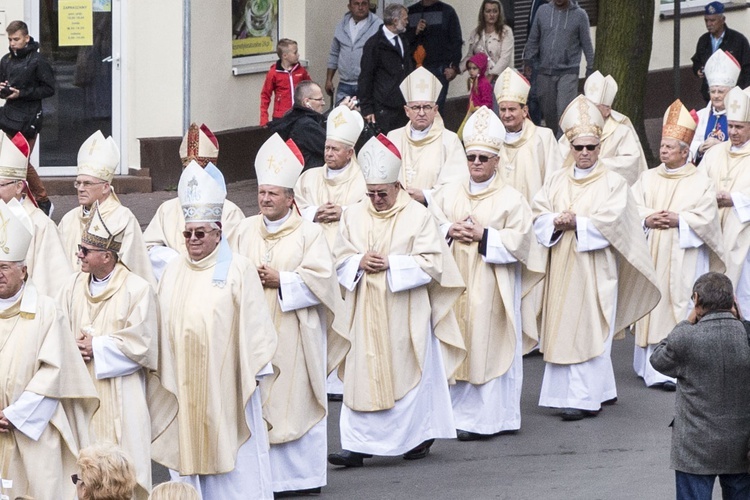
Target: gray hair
pixel 714 292
pixel 683 145
pixel 214 225
pixel 303 90
pixel 392 13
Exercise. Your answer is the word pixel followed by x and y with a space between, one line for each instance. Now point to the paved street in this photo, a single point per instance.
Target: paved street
pixel 621 454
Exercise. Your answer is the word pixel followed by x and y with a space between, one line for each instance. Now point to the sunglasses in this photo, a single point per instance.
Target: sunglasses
pixel 377 194
pixel 76 479
pixel 199 233
pixel 482 158
pixel 589 147
pixel 85 251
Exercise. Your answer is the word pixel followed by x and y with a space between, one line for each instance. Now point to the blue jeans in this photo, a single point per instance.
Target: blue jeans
pixel 700 486
pixel 343 90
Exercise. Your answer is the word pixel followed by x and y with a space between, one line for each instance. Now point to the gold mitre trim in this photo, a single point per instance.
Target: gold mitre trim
pixel 511 86
pixel 678 123
pixel 581 119
pixel 484 131
pixel 97 234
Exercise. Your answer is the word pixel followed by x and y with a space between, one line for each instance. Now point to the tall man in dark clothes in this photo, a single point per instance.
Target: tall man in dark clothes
pixel 25 79
pixel 719 36
pixel 434 26
pixel 386 61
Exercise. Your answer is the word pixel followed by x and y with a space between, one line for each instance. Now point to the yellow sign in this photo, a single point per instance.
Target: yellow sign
pixel 75 23
pixel 252 46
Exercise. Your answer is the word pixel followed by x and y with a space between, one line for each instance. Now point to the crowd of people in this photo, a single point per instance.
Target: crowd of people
pixel 406 278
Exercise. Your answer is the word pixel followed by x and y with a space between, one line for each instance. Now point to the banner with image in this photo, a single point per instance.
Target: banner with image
pixel 255 27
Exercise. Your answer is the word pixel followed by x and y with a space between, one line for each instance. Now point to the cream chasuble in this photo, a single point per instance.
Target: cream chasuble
pixel 38 354
pixel 730 171
pixel 437 159
pixel 220 337
pixel 389 331
pixel 620 151
pixel 580 286
pixel 691 194
pixel 314 189
pixel 47 263
pixel 486 310
pixel 126 312
pixel 297 399
pixel 117 218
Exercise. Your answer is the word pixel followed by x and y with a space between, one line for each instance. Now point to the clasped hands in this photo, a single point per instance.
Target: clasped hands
pixel 466 231
pixel 566 221
pixel 663 219
pixel 85 346
pixel 328 212
pixel 372 262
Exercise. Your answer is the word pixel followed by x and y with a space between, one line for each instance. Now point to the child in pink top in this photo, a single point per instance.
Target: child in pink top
pixel 480 89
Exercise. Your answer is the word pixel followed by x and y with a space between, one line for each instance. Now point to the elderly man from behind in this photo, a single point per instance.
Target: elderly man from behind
pixel 709 355
pixel 349 38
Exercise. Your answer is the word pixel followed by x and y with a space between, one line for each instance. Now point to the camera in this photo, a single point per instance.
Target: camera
pixel 5 92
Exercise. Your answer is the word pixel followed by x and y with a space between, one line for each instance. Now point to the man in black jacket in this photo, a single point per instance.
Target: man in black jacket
pixel 720 36
pixel 25 79
pixel 386 61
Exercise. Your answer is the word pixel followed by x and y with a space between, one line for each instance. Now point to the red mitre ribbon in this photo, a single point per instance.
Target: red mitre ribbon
pixel 296 151
pixel 388 144
pixel 20 142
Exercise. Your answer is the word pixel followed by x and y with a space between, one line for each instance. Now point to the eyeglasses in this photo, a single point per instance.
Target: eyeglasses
pixel 199 233
pixel 589 147
pixel 86 184
pixel 85 251
pixel 425 107
pixel 481 158
pixel 76 479
pixel 7 184
pixel 377 194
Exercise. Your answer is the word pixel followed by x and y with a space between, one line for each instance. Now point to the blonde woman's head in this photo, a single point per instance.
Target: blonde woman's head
pixel 174 491
pixel 105 473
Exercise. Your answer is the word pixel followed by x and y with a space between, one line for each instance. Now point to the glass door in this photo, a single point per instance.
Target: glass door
pixel 87 85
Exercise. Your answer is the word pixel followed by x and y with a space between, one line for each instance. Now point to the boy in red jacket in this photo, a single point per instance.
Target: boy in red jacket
pixel 281 79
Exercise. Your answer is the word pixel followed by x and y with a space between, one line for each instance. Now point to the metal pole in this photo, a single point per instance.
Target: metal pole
pixel 677 13
pixel 186 39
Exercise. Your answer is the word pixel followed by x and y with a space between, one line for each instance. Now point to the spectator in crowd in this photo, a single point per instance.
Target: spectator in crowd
pixel 535 113
pixel 174 491
pixel 720 36
pixel 480 90
pixel 491 37
pixel 105 474
pixel 349 38
pixel 281 81
pixel 709 355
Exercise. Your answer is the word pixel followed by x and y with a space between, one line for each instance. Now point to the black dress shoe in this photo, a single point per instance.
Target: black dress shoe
pixel 573 414
pixel 420 451
pixel 296 493
pixel 346 458
pixel 335 397
pixel 468 436
pixel 609 402
pixel 669 386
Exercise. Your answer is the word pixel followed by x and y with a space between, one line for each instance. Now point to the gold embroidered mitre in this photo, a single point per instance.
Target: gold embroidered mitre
pixel 199 145
pixel 484 131
pixel 581 119
pixel 512 86
pixel 97 234
pixel 679 123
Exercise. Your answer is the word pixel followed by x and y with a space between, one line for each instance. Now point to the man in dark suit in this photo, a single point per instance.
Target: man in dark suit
pixel 709 355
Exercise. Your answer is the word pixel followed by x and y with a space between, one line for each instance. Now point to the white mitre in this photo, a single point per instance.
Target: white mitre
pixel 484 131
pixel 512 86
pixel 201 197
pixel 420 86
pixel 737 103
pixel 278 163
pixel 380 161
pixel 16 231
pixel 14 157
pixel 722 70
pixel 344 125
pixel 600 89
pixel 98 157
pixel 581 119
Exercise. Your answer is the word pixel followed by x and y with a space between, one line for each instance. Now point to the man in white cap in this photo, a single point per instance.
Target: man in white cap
pixel 600 278
pixel 677 204
pixel 620 149
pixel 47 398
pixel 529 153
pixel 432 155
pixel 296 270
pixel 488 225
pixel 722 71
pixel 322 194
pixel 401 284
pixel 163 235
pixel 222 339
pixel 728 165
pixel 97 162
pixel 113 315
pixel 46 261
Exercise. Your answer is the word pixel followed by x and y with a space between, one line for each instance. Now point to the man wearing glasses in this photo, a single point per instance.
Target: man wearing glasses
pixel 599 279
pixel 401 284
pixel 222 340
pixel 113 316
pixel 97 162
pixel 678 207
pixel 432 155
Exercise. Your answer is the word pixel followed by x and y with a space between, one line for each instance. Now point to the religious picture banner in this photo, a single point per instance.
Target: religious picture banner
pixel 255 27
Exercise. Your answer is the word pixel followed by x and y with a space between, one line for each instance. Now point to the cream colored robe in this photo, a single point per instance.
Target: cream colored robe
pixel 692 195
pixel 127 312
pixel 220 337
pixel 580 286
pixel 486 310
pixel 38 354
pixel 428 163
pixel 314 189
pixel 297 400
pixel 47 263
pixel 621 149
pixel 389 331
pixel 117 217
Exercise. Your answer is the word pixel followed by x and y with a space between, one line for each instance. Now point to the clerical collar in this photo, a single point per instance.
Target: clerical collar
pixel 97 286
pixel 580 173
pixel 6 303
pixel 475 187
pixel 418 134
pixel 511 137
pixel 718 113
pixel 273 225
pixel 673 170
pixel 331 173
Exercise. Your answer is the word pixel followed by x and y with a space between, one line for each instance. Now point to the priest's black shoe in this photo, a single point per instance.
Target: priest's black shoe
pixel 669 386
pixel 346 458
pixel 468 436
pixel 296 493
pixel 335 397
pixel 573 414
pixel 420 451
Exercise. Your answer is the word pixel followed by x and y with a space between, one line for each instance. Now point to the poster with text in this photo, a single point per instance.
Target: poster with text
pixel 75 20
pixel 255 27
